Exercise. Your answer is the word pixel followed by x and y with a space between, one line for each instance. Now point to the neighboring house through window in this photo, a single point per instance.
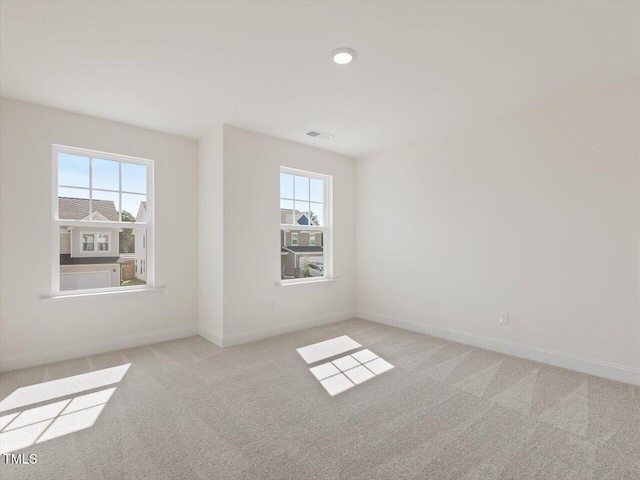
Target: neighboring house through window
pixel 102 218
pixel 305 225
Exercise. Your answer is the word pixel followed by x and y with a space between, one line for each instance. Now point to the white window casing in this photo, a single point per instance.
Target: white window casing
pixel 325 220
pixel 102 240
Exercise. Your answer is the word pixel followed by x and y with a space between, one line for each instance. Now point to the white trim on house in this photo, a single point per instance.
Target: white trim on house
pixel 302 228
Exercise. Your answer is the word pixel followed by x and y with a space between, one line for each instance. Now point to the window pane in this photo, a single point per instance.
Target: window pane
pixel 73 170
pixel 102 242
pixel 317 190
pixel 105 174
pixel 311 265
pixel 127 239
pixel 302 188
pixel 286 212
pixel 134 178
pixel 286 259
pixel 133 254
pixel 88 243
pixel 133 206
pixel 302 260
pixel 73 203
pixel 286 185
pixel 302 213
pixel 105 206
pixel 90 260
pixel 317 214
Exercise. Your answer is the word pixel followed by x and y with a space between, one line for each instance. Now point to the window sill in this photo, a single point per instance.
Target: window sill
pixel 132 292
pixel 306 282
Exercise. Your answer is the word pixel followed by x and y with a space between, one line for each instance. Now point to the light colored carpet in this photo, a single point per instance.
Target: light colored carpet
pixel 188 410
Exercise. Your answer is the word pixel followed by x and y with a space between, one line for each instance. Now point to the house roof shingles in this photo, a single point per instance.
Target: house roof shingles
pixel 78 208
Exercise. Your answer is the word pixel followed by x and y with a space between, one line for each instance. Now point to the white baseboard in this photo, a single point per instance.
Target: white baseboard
pixel 50 356
pixel 580 364
pixel 259 334
pixel 214 338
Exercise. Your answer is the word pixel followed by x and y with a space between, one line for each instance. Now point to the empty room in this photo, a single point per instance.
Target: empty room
pixel 292 240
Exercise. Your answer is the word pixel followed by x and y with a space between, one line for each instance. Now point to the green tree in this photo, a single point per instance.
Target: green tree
pixel 127 217
pixel 314 218
pixel 127 239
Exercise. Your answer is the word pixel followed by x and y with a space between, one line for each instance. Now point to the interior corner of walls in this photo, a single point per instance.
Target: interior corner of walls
pixel 391 321
pixel 275 330
pixel 213 337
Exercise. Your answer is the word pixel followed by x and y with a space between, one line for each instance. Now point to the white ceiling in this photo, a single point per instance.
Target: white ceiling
pixel 423 67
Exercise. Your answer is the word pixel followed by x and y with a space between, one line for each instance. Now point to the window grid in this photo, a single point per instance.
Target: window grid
pixel 90 189
pixel 103 244
pixel 316 201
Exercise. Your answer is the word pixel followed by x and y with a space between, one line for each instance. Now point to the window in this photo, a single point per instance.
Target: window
pixel 305 206
pixel 95 242
pixel 102 203
pixel 88 242
pixel 103 242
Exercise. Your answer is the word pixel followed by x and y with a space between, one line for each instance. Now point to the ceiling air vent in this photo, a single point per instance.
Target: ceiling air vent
pixel 317 134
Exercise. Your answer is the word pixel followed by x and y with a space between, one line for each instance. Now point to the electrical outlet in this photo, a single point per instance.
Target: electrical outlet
pixel 503 318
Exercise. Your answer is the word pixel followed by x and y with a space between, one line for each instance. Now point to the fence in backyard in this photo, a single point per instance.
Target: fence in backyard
pixel 128 269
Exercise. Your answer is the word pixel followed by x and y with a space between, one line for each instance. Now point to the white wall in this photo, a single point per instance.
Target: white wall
pixel 253 305
pixel 211 261
pixel 536 214
pixel 29 324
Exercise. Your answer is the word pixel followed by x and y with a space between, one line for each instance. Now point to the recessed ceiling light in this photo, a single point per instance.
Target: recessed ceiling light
pixel 343 55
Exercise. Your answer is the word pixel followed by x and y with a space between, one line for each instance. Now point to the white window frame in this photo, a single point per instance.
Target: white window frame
pixel 57 222
pixel 326 229
pixel 294 239
pixel 95 241
pixel 312 236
